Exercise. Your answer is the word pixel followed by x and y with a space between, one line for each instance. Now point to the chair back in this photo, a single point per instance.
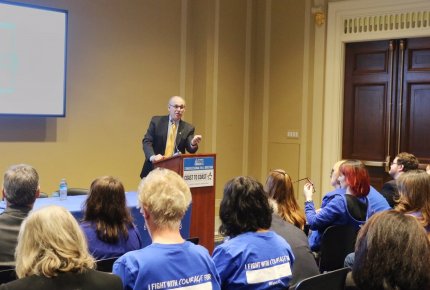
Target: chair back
pixel 336 243
pixel 7 274
pixel 73 191
pixel 194 240
pixel 105 265
pixel 334 280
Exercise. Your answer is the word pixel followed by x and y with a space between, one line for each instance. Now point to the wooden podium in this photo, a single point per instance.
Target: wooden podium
pixel 203 203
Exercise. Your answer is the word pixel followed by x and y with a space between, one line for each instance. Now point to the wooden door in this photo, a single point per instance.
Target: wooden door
pixel 414 101
pixel 386 103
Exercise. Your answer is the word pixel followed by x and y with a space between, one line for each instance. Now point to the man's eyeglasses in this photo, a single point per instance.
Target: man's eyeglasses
pixel 178 107
pixel 308 180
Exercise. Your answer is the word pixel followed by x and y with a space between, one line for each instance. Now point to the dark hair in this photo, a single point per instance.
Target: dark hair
pixel 356 176
pixel 392 252
pixel 244 207
pixel 280 188
pixel 408 160
pixel 106 207
pixel 414 189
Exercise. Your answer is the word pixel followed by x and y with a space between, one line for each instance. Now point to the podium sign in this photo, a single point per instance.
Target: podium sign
pixel 198 171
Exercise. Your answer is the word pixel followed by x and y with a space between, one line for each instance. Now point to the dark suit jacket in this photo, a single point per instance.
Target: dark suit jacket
pixel 304 262
pixel 389 191
pixel 88 280
pixel 10 222
pixel 155 140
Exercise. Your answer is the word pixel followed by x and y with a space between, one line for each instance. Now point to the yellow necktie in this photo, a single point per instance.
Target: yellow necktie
pixel 170 144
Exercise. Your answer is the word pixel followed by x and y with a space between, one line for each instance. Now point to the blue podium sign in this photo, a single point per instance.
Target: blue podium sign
pixel 199 171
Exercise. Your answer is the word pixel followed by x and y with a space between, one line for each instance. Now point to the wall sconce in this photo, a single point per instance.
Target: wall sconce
pixel 319 15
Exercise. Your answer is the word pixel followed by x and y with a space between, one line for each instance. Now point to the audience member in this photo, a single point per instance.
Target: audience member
pixel 402 163
pixel 377 202
pixel 281 197
pixel 20 189
pixel 107 222
pixel 414 191
pixel 169 262
pixel 253 257
pixel 428 169
pixel 52 254
pixel 392 252
pixel 340 208
pixel 279 190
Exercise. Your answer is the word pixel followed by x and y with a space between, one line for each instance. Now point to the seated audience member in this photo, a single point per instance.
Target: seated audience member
pixel 402 163
pixel 392 252
pixel 52 254
pixel 20 189
pixel 253 257
pixel 281 197
pixel 342 208
pixel 107 222
pixel 279 190
pixel 170 261
pixel 414 190
pixel 377 202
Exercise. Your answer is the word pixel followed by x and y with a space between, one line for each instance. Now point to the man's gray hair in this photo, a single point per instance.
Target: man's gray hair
pixel 20 184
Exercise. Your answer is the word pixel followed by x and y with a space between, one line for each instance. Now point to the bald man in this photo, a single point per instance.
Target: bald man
pixel 156 138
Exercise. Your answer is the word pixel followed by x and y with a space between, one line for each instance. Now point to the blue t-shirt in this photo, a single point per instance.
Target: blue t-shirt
pixel 254 260
pixel 102 250
pixel 168 266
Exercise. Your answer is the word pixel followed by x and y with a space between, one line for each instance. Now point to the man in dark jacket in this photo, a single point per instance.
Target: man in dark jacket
pixel 168 135
pixel 20 189
pixel 402 163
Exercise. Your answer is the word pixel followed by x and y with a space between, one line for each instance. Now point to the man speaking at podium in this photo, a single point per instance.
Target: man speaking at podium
pixel 168 135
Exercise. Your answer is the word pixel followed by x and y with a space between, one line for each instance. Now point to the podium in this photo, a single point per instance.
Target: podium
pixel 198 171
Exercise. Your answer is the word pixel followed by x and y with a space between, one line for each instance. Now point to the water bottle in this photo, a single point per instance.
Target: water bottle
pixel 63 189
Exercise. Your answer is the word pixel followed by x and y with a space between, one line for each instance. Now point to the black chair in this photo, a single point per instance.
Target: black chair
pixel 105 265
pixel 73 191
pixel 336 242
pixel 7 274
pixel 194 240
pixel 334 280
pixel 43 195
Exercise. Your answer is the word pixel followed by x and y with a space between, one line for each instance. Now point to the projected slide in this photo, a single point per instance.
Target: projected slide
pixel 32 60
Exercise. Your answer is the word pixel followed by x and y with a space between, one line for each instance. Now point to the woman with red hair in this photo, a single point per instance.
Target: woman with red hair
pixel 348 206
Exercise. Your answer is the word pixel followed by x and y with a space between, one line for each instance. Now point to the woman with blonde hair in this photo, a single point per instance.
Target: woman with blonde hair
pixel 280 192
pixel 170 261
pixel 414 191
pixel 52 253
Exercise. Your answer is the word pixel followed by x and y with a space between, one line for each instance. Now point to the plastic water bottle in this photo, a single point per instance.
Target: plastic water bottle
pixel 63 189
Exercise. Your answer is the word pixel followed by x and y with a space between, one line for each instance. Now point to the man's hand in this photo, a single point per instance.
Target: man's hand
pixel 157 157
pixel 196 140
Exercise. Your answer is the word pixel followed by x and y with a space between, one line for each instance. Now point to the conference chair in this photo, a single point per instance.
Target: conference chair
pixel 334 280
pixel 73 191
pixel 43 195
pixel 7 274
pixel 337 242
pixel 194 240
pixel 105 265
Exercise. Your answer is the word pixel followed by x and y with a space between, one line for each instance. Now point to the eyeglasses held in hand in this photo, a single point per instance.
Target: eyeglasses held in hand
pixel 308 180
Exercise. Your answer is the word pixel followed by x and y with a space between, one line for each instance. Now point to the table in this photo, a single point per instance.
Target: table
pixel 75 205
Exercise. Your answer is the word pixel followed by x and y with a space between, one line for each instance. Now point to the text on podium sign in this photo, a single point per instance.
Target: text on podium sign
pixel 199 171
